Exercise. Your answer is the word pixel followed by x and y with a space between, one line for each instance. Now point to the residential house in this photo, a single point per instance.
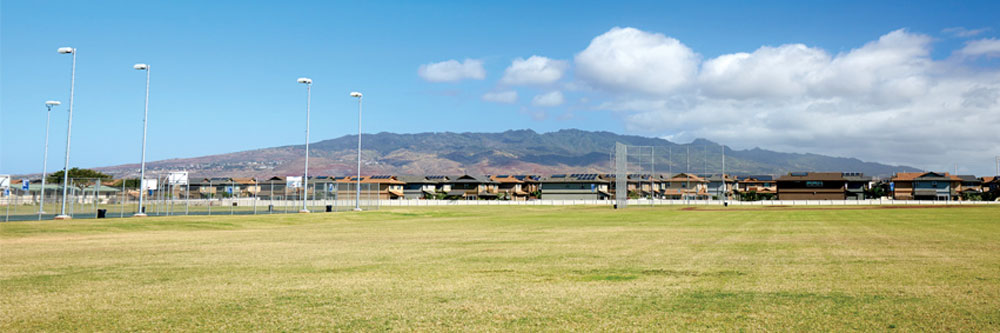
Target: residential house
pixel 925 186
pixel 812 186
pixel 510 187
pixel 531 185
pixel 389 188
pixel 763 184
pixel 901 185
pixel 936 186
pixel 575 187
pixel 471 187
pixel 857 184
pixel 969 187
pixel 418 187
pixel 642 185
pixel 684 186
pixel 991 188
pixel 443 185
pixel 720 186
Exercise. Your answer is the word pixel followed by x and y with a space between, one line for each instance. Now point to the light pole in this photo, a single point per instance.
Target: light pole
pixel 142 163
pixel 45 157
pixel 305 175
pixel 357 199
pixel 69 130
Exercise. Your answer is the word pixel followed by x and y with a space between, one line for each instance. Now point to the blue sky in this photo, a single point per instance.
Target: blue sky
pixel 223 75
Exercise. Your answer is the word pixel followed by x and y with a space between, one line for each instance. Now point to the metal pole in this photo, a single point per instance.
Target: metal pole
pixel 232 196
pixel 45 163
pixel 357 199
pixel 69 131
pixel 213 195
pixel 305 177
pixel 142 163
pixel 255 189
pixel 187 198
pixel 97 186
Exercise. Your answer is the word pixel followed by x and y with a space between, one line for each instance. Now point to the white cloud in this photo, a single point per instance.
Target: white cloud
pixel 963 32
pixel 553 98
pixel 534 70
pixel 508 97
pixel 989 47
pixel 783 71
pixel 885 101
pixel 632 60
pixel 452 70
pixel 890 69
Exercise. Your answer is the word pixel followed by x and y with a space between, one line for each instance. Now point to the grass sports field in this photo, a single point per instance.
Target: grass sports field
pixel 509 268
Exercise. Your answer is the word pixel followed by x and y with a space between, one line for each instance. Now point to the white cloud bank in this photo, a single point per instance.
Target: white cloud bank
pixel 628 59
pixel 452 70
pixel 885 101
pixel 507 97
pixel 549 99
pixel 534 70
pixel 989 47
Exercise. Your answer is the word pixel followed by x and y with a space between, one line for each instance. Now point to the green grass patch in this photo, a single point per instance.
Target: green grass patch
pixel 509 269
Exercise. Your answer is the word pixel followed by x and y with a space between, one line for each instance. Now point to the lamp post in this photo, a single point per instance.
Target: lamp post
pixel 305 175
pixel 142 163
pixel 69 130
pixel 45 157
pixel 357 199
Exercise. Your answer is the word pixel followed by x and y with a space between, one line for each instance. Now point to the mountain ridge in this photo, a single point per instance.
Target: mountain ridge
pixel 511 151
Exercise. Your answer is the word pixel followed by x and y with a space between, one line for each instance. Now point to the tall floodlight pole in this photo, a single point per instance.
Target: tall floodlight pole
pixel 69 130
pixel 357 199
pixel 724 193
pixel 305 175
pixel 45 156
pixel 142 163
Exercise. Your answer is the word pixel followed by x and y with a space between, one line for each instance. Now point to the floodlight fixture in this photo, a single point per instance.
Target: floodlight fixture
pixel 305 80
pixel 141 67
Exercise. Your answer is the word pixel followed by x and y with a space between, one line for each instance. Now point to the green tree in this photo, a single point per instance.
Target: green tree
pixel 75 173
pixel 129 183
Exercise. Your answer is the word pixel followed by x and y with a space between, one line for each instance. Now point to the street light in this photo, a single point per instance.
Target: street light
pixel 69 130
pixel 305 175
pixel 357 199
pixel 45 156
pixel 142 163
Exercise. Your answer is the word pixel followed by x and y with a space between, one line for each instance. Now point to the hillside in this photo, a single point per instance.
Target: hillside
pixel 515 151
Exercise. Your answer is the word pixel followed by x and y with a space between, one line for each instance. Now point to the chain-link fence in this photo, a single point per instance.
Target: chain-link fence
pixel 93 198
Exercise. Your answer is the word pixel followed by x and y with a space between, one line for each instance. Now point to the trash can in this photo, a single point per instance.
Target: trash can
pixel 235 204
pixel 329 208
pixel 725 204
pixel 270 208
pixel 101 213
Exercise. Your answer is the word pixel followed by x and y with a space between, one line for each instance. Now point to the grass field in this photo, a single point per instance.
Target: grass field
pixel 509 268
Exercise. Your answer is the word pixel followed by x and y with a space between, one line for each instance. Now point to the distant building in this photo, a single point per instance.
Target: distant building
pixel 925 186
pixel 812 186
pixel 590 186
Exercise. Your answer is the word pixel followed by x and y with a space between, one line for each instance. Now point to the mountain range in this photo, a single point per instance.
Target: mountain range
pixel 510 152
